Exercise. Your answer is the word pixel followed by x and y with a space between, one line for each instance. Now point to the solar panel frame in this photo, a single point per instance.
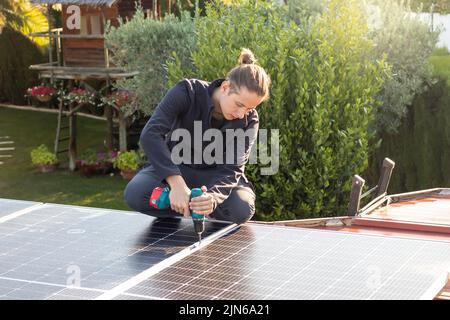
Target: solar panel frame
pixel 8 206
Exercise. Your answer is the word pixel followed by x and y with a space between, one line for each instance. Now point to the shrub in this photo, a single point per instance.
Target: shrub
pixel 407 43
pixel 17 53
pixel 145 45
pixel 42 156
pixel 127 160
pixel 322 98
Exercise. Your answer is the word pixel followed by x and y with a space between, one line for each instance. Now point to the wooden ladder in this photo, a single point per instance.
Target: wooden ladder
pixel 62 131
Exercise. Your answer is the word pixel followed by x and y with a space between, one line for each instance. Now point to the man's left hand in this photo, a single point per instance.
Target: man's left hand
pixel 203 204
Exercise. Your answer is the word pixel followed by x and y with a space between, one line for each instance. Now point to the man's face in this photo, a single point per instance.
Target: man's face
pixel 237 105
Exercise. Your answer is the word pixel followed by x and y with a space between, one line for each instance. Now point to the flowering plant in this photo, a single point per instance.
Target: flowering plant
pixel 80 95
pixel 91 162
pixel 43 156
pixel 90 156
pixel 42 90
pixel 118 98
pixel 127 160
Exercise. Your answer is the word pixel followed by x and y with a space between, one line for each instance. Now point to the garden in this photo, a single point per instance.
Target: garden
pixel 352 83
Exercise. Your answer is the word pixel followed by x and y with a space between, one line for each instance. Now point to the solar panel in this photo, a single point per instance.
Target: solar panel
pixel 64 252
pixel 260 262
pixel 54 251
pixel 8 206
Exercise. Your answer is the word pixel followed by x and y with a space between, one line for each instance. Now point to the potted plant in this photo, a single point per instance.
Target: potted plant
pixel 118 98
pixel 80 95
pixel 43 159
pixel 42 93
pixel 128 163
pixel 92 162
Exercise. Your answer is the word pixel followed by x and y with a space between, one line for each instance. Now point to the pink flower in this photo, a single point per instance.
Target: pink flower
pixel 78 91
pixel 42 90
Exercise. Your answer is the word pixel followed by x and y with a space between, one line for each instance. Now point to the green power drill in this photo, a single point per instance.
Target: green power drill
pixel 159 199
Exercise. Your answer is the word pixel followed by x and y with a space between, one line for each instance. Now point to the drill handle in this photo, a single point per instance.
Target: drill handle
pixel 196 192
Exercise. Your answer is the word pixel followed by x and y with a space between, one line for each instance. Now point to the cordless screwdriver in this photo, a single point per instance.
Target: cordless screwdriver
pixel 159 199
pixel 197 218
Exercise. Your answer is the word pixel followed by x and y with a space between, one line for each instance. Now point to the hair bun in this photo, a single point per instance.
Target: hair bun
pixel 247 57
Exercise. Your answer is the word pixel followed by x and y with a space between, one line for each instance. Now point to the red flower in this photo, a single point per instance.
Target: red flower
pixel 79 91
pixel 42 90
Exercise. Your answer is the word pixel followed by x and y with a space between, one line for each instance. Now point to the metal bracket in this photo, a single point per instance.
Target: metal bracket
pixel 380 189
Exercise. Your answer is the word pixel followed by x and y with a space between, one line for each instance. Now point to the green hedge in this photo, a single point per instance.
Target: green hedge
pixel 17 53
pixel 322 97
pixel 421 148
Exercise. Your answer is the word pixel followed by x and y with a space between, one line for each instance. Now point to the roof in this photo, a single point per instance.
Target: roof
pixel 419 215
pixel 79 2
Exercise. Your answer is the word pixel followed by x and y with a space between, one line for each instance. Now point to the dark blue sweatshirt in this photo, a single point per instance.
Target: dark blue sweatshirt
pixel 188 101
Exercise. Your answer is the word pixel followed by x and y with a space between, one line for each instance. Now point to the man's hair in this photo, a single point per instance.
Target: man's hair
pixel 250 75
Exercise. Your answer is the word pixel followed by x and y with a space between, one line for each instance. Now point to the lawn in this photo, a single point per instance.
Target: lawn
pixel 440 60
pixel 19 180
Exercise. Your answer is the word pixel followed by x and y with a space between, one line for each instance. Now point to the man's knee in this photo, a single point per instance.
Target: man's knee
pixel 134 196
pixel 245 213
pixel 238 212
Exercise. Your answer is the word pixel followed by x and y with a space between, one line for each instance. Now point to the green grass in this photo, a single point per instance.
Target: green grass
pixel 20 180
pixel 440 60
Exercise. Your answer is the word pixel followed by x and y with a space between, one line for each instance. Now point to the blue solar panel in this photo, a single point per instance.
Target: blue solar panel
pixel 70 252
pixel 54 247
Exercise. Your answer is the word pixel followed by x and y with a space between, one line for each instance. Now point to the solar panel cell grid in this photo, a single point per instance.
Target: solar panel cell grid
pixel 45 251
pixel 51 244
pixel 309 265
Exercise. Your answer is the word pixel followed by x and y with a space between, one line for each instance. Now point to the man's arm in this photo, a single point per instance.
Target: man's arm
pixel 227 176
pixel 175 102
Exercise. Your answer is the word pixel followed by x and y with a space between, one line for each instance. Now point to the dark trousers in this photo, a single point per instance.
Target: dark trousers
pixel 239 207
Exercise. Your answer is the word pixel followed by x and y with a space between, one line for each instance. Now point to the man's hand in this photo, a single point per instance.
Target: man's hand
pixel 203 204
pixel 179 195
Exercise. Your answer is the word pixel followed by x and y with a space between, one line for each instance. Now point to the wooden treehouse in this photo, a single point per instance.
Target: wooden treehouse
pixel 78 55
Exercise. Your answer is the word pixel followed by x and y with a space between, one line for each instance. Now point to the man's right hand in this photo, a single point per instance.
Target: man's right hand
pixel 179 195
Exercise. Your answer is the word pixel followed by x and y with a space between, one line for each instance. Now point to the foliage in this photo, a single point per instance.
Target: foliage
pixel 17 53
pixel 42 155
pixel 89 156
pixel 118 98
pixel 24 17
pixel 420 147
pixel 322 98
pixel 145 45
pixel 440 60
pixel 440 6
pixel 80 95
pixel 128 160
pixel 42 90
pixel 407 43
pixel 300 10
